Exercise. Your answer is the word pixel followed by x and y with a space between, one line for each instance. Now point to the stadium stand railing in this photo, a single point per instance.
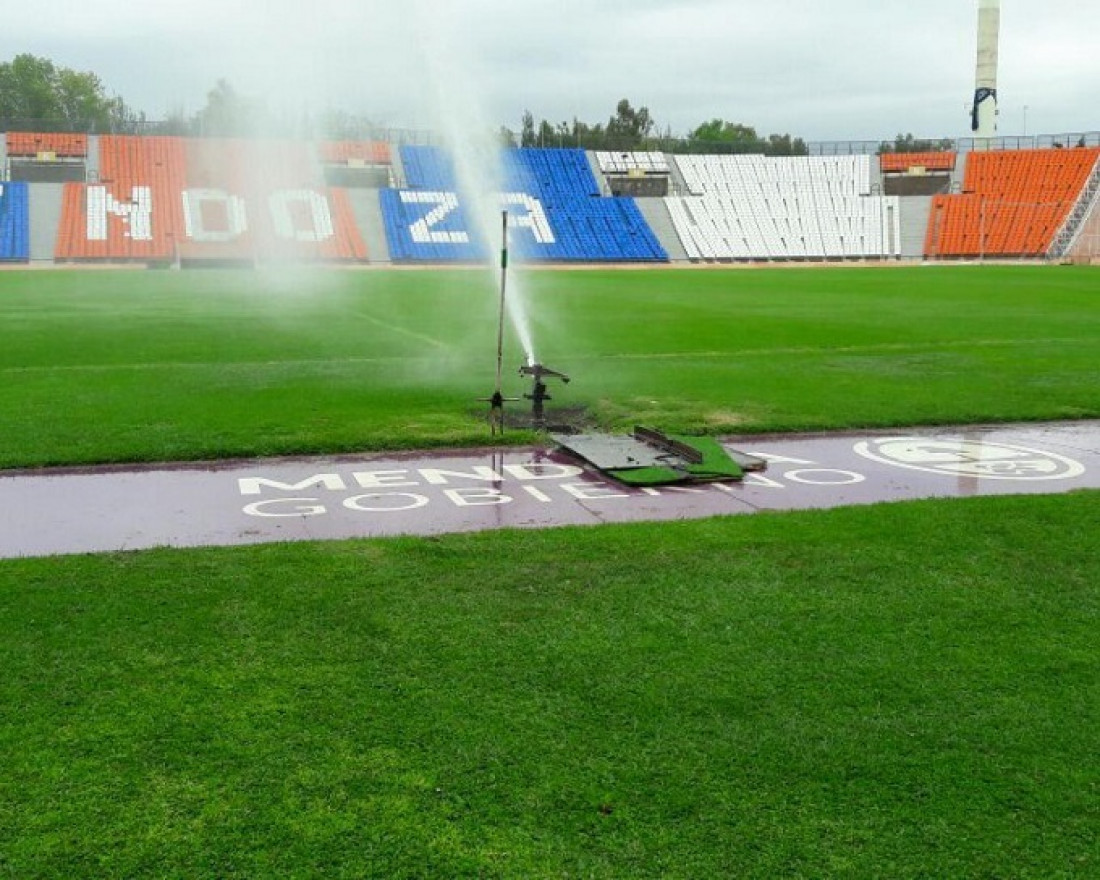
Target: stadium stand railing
pixel 1085 207
pixel 14 223
pixel 555 212
pixel 1013 203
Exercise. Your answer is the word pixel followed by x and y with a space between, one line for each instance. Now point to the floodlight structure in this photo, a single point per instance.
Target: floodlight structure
pixel 983 113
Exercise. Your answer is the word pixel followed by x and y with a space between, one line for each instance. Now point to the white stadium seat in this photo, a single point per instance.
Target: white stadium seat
pixel 799 207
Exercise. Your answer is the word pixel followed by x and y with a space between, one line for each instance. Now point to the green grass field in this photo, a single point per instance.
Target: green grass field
pixel 124 366
pixel 897 691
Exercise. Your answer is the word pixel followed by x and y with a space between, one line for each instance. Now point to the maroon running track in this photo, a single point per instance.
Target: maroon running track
pixel 48 512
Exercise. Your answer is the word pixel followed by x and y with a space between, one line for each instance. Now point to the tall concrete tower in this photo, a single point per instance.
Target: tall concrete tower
pixel 983 115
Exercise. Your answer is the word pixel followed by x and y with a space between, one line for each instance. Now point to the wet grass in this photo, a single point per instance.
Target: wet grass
pixel 133 366
pixel 904 691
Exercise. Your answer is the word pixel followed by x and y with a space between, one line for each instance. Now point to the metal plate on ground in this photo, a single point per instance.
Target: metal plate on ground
pixel 748 463
pixel 613 452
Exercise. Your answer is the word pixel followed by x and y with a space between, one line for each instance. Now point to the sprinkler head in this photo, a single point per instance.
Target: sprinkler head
pixel 538 371
pixel 539 395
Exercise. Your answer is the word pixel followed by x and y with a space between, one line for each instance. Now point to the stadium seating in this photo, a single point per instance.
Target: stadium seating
pixel 427 168
pixel 555 212
pixel 160 199
pixel 354 152
pixel 901 163
pixel 14 223
pixel 47 145
pixel 165 198
pixel 261 199
pixel 611 162
pixel 134 212
pixel 790 208
pixel 1013 203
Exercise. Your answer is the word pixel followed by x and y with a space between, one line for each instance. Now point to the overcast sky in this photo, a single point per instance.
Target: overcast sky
pixel 825 70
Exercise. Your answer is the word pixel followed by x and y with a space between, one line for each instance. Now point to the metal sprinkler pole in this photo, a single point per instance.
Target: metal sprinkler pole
pixel 496 402
pixel 503 289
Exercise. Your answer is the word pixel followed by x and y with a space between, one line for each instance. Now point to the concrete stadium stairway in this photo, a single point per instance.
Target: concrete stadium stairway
pixel 366 206
pixel 915 211
pixel 601 178
pixel 876 174
pixel 397 169
pixel 677 185
pixel 45 220
pixel 92 162
pixel 959 172
pixel 656 214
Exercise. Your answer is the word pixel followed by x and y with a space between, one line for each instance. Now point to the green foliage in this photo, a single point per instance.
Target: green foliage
pixel 718 131
pixel 627 129
pixel 906 143
pixel 902 691
pixel 634 129
pixel 719 136
pixel 37 91
pixel 101 366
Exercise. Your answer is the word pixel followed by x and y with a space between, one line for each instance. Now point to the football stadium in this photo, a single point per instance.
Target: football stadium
pixel 411 503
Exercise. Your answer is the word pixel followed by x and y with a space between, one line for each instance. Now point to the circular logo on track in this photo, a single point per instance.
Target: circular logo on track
pixel 970 458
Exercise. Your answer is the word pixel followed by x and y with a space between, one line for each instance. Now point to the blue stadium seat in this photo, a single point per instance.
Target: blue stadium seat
pixel 552 197
pixel 15 238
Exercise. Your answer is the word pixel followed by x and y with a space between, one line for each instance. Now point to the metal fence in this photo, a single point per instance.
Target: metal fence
pixel 665 144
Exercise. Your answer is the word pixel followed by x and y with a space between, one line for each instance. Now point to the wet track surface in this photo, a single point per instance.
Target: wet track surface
pixel 245 502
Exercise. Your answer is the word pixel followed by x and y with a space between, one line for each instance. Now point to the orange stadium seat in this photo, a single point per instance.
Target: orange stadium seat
pixel 893 163
pixel 1013 203
pixel 132 213
pixel 167 198
pixel 62 145
pixel 352 152
pixel 268 202
pixel 348 244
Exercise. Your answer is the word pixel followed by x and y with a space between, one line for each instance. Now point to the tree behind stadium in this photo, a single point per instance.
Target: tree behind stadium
pixel 36 93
